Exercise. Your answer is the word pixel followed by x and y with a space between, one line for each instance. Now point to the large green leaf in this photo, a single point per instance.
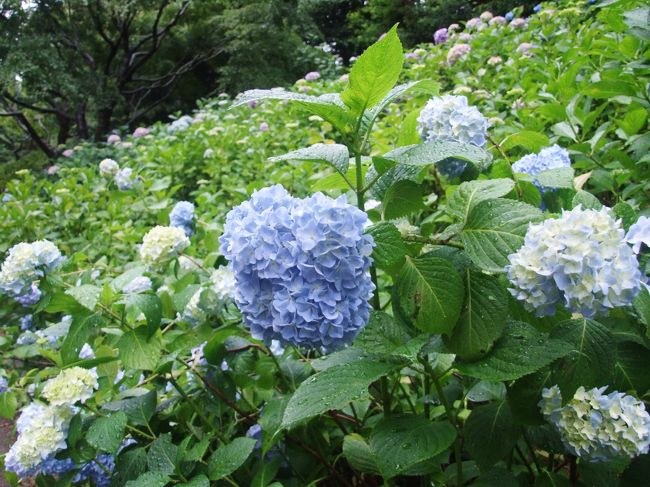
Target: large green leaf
pixel 139 409
pixel 431 293
pixel 138 350
pixel 470 193
pixel 163 455
pixel 149 479
pixel 333 388
pixel 228 458
pixel 106 433
pixel 424 85
pixel 151 307
pixel 495 229
pixel 400 442
pixel 631 373
pixel 490 433
pixel 130 465
pixel 529 140
pixel 87 295
pixel 592 358
pixel 433 152
pixel 561 177
pixel 8 404
pixel 374 73
pixel 80 332
pixel 484 316
pixel 389 248
pixel 359 455
pixel 382 335
pixel 521 350
pixel 401 199
pixel 524 395
pixel 335 155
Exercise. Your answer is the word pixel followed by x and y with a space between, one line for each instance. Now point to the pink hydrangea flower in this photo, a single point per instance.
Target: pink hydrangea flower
pixel 113 139
pixel 140 132
pixel 518 23
pixel 264 127
pixel 312 76
pixel 457 52
pixel 68 153
pixel 498 20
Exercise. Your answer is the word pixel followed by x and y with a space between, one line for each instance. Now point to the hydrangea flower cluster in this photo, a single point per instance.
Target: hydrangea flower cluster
pixel 494 60
pixel 140 132
pixel 42 431
pixel 525 49
pixel 86 352
pixel 474 23
pixel 4 384
pixel 553 157
pixel 599 426
pixel 138 285
pixel 440 36
pixel 161 243
pixel 180 124
pixel 221 289
pixel 518 23
pixel 182 216
pixel 25 264
pixel 124 179
pixel 301 267
pixel 498 20
pixel 486 16
pixel 312 76
pixel 72 385
pixel 580 260
pixel 108 168
pixel 457 51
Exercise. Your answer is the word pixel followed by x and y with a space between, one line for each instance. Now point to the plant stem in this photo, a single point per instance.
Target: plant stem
pixel 523 459
pixel 532 452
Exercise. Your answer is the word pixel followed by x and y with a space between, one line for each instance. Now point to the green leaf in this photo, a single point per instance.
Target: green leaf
pixel 80 332
pixel 521 350
pixel 138 350
pixel 389 248
pixel 470 193
pixel 163 455
pixel 333 388
pixel 138 409
pixel 374 73
pixel 130 465
pixel 423 85
pixel 642 307
pixel 359 455
pixel 587 200
pixel 228 458
pixel 8 404
pixel 198 481
pixel 495 229
pixel 86 295
pixel 106 433
pixel 631 372
pixel 335 155
pixel 524 395
pixel 483 319
pixel 561 177
pixel 400 442
pixel 529 140
pixel 609 89
pixel 381 335
pixel 490 433
pixel 433 152
pixel 151 307
pixel 591 360
pixel 149 479
pixel 402 198
pixel 431 293
pixel 126 277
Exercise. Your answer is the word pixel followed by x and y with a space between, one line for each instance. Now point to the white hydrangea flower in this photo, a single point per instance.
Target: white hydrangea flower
pixel 138 285
pixel 598 426
pixel 72 385
pixel 405 227
pixel 639 234
pixel 223 283
pixel 86 352
pixel 108 168
pixel 26 263
pixel 193 313
pixel 124 179
pixel 451 118
pixel 580 260
pixel 161 243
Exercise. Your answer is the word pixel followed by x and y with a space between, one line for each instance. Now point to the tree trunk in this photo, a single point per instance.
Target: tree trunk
pixel 65 125
pixel 38 140
pixel 82 124
pixel 104 116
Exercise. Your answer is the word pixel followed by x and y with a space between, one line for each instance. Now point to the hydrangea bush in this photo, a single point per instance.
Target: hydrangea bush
pixel 340 314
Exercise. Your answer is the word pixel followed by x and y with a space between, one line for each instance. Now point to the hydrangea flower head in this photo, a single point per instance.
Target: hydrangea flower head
pixel 464 37
pixel 86 352
pixel 113 139
pixel 68 153
pixel 440 36
pixel 4 384
pixel 451 118
pixel 140 132
pixel 180 124
pixel 457 52
pixel 138 285
pixel 108 167
pixel 301 267
pixel 72 385
pixel 264 127
pixel 182 216
pixel 223 283
pixel 494 60
pixel 580 260
pixel 453 28
pixel 162 243
pixel 312 76
pixel 600 427
pixel 518 23
pixel 124 179
pixel 486 16
pixel 497 20
pixel 509 16
pixel 639 234
pixel 553 157
pixel 525 49
pixel 474 23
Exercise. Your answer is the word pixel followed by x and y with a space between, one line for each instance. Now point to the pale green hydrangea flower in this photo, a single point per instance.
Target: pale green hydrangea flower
pixel 72 385
pixel 161 243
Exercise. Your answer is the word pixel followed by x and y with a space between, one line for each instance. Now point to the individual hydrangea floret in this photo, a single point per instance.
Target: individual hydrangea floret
pixel 162 243
pixel 450 118
pixel 553 157
pixel 124 179
pixel 457 52
pixel 580 260
pixel 138 285
pixel 108 168
pixel 182 216
pixel 72 385
pixel 600 427
pixel 639 234
pixel 301 267
pixel 440 36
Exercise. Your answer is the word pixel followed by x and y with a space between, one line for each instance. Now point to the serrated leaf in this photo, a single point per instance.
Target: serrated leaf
pixel 333 388
pixel 490 433
pixel 80 332
pixel 228 458
pixel 401 199
pixel 106 433
pixel 138 350
pixel 149 479
pixel 400 442
pixel 86 295
pixel 495 229
pixel 198 481
pixel 483 319
pixel 396 173
pixel 561 177
pixel 138 409
pixel 591 360
pixel 151 307
pixel 631 370
pixel 424 85
pixel 8 404
pixel 470 193
pixel 524 395
pixel 529 140
pixel 163 455
pixel 431 293
pixel 130 465
pixel 389 248
pixel 642 307
pixel 521 350
pixel 382 335
pixel 358 454
pixel 433 152
pixel 586 200
pixel 335 155
pixel 374 73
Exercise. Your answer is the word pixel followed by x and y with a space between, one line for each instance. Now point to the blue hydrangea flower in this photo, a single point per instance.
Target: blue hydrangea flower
pixel 639 234
pixel 537 8
pixel 4 384
pixel 580 260
pixel 26 322
pixel 93 471
pixel 600 427
pixel 29 297
pixel 301 267
pixel 182 216
pixel 55 467
pixel 509 16
pixel 553 157
pixel 180 124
